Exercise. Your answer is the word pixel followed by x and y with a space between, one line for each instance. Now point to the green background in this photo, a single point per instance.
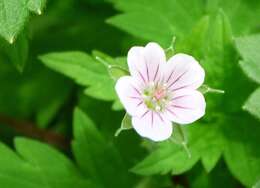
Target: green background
pixel 59 111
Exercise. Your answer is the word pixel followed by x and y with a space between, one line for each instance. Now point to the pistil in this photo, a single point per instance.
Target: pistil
pixel 155 96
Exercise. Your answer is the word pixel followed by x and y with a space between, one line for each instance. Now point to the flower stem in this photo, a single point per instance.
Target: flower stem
pixel 181 140
pixel 184 144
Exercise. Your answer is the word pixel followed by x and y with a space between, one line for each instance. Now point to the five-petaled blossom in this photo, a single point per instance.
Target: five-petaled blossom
pixel 160 92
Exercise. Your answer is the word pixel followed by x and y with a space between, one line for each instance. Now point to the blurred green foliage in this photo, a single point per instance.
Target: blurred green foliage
pixel 57 85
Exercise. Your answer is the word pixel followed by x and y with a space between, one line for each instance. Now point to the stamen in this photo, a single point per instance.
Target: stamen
pixel 156 96
pixel 158 108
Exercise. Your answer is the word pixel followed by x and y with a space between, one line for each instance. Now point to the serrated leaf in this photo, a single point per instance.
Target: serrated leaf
pixel 249 47
pixel 252 104
pixel 209 140
pixel 204 141
pixel 77 65
pixel 198 178
pixel 241 152
pixel 252 70
pixel 38 164
pixel 238 12
pixel 96 157
pixel 116 68
pixel 85 70
pixel 14 14
pixel 257 185
pixel 107 60
pixel 169 157
pixel 211 157
pixel 16 53
pixel 156 20
pixel 200 149
pixel 36 6
pixel 211 144
pixel 154 182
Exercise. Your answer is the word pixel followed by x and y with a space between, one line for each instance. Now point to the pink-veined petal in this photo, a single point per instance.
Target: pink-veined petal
pixel 130 96
pixel 183 71
pixel 145 63
pixel 186 106
pixel 153 126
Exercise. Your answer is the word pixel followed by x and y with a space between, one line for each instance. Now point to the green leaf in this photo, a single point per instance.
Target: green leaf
pixel 196 39
pixel 97 157
pixel 211 151
pixel 209 160
pixel 210 142
pixel 251 69
pixel 154 182
pixel 238 12
pixel 249 47
pixel 117 105
pixel 156 20
pixel 36 6
pixel 210 138
pixel 16 53
pixel 107 60
pixel 14 14
pixel 197 134
pixel 241 152
pixel 32 94
pixel 116 67
pixel 77 65
pixel 168 157
pixel 85 70
pixel 257 185
pixel 37 164
pixel 252 104
pixel 198 178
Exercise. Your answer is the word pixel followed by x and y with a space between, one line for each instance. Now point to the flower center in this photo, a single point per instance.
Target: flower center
pixel 156 96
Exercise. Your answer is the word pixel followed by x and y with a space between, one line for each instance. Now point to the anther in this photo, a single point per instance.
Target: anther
pixel 157 108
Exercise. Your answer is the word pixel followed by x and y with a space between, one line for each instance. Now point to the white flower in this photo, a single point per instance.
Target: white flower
pixel 158 92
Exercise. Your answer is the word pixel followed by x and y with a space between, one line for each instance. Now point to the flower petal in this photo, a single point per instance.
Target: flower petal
pixel 183 71
pixel 129 94
pixel 145 62
pixel 186 106
pixel 153 126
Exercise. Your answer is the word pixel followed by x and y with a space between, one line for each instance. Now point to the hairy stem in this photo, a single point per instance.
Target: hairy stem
pixel 31 130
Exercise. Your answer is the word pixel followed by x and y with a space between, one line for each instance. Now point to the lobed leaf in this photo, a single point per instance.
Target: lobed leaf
pixel 14 14
pixel 249 47
pixel 95 156
pixel 38 164
pixel 211 42
pixel 252 104
pixel 85 70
